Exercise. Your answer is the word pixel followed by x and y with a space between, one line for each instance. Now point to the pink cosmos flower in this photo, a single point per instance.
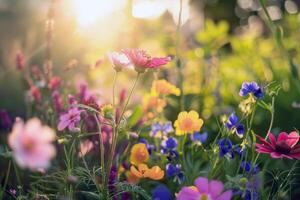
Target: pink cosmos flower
pixel 32 144
pixel 141 61
pixel 85 147
pixel 204 189
pixel 119 60
pixel 70 120
pixel 284 146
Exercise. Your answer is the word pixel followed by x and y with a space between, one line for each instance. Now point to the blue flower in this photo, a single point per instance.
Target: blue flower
pixel 168 147
pixel 174 171
pixel 158 129
pixel 248 168
pixel 161 192
pixel 232 121
pixel 251 88
pixel 199 138
pixel 169 143
pixel 149 146
pixel 232 124
pixel 226 148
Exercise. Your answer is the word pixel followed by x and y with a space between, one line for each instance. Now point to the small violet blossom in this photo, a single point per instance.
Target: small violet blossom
pixel 234 125
pixel 227 149
pixel 199 138
pixel 161 129
pixel 251 88
pixel 70 120
pixel 168 147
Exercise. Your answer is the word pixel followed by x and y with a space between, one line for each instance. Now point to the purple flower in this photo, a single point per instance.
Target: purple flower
pixel 169 143
pixel 233 124
pixel 5 121
pixel 251 88
pixel 158 129
pixel 204 189
pixel 70 119
pixel 248 168
pixel 57 101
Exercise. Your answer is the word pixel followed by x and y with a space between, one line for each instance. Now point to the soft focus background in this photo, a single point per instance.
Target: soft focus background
pixel 221 43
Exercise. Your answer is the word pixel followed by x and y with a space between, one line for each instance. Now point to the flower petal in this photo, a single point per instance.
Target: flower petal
pixel 215 188
pixel 293 139
pixel 202 184
pixel 225 196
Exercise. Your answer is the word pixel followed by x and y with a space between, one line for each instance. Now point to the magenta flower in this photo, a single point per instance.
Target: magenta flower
pixel 32 144
pixel 141 61
pixel 284 146
pixel 70 120
pixel 54 83
pixel 119 61
pixel 204 189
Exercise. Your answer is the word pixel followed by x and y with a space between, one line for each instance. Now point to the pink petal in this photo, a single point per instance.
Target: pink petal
pixel 293 139
pixel 283 136
pixel 276 155
pixel 296 149
pixel 295 155
pixel 157 62
pixel 202 184
pixel 188 194
pixel 215 188
pixel 264 141
pixel 272 139
pixel 225 196
pixel 62 125
pixel 264 147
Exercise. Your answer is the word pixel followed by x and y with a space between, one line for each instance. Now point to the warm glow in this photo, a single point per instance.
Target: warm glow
pixel 89 11
pixel 148 9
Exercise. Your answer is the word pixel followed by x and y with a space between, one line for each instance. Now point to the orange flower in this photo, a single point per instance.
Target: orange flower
pixel 188 122
pixel 143 171
pixel 131 178
pixel 139 154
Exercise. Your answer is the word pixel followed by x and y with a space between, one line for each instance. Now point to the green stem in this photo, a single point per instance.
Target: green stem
pixel 115 125
pixel 6 179
pixel 102 161
pixel 270 126
pixel 178 59
pixel 114 88
pixel 17 174
pixel 128 98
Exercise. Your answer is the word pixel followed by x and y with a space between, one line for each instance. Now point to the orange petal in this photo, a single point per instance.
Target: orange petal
pixel 135 172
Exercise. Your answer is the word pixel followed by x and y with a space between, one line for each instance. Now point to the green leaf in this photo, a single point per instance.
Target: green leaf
pixel 136 115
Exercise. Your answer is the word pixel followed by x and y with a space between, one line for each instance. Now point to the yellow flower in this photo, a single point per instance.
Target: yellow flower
pixel 143 171
pixel 188 122
pixel 164 87
pixel 152 102
pixel 139 154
